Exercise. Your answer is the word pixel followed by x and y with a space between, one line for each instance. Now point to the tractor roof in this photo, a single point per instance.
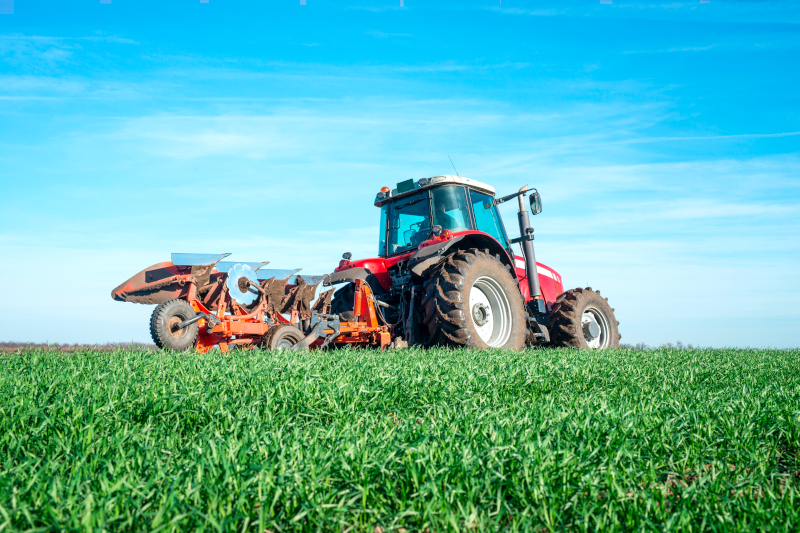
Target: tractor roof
pixel 410 186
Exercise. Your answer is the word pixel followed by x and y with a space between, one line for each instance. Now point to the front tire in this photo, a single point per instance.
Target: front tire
pixel 581 318
pixel 472 300
pixel 164 321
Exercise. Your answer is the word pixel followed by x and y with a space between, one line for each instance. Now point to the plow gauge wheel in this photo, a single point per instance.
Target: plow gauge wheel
pixel 164 325
pixel 282 337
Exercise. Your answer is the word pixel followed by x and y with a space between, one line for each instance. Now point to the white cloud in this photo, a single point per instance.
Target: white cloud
pixel 34 53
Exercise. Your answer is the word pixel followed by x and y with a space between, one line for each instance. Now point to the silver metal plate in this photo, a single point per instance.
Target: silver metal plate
pixel 225 266
pixel 266 273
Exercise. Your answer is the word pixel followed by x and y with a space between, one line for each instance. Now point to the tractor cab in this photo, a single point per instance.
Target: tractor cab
pixel 410 213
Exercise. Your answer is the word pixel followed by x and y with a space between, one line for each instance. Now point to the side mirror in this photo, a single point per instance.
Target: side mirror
pixel 536 202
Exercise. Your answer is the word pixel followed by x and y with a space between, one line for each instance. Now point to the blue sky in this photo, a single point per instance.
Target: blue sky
pixel 663 137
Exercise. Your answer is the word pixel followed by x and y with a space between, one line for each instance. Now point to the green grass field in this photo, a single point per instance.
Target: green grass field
pixel 418 440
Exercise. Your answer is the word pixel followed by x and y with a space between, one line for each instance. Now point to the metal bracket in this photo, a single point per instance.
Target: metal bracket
pixel 320 322
pixel 498 201
pixel 192 320
pixel 528 237
pixel 537 306
pixel 212 320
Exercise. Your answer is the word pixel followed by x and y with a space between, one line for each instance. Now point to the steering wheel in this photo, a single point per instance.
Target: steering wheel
pixel 422 233
pixel 418 233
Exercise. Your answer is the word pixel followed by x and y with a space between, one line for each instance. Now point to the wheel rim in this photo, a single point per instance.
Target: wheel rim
pixel 488 305
pixel 284 344
pixel 595 328
pixel 172 327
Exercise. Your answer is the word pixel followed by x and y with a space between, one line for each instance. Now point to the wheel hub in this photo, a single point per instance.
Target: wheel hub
pixel 244 284
pixel 591 330
pixel 490 311
pixel 595 328
pixel 480 314
pixel 284 344
pixel 172 326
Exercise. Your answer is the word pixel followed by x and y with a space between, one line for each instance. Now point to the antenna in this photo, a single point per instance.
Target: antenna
pixel 454 167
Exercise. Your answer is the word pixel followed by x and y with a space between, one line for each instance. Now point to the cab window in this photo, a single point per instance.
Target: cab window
pixel 487 220
pixel 450 209
pixel 409 222
pixel 382 243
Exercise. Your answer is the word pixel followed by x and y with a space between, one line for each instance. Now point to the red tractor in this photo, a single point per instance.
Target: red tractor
pixel 445 274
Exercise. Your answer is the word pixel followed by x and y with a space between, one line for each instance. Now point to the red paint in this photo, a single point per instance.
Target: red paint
pixel 551 288
pixel 376 266
pixel 392 261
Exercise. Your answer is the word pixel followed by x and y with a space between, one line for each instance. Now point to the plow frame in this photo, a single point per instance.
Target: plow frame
pixel 240 328
pixel 366 330
pixel 247 330
pixel 222 321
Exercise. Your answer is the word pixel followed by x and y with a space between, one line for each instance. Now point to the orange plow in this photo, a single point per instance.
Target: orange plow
pixel 204 304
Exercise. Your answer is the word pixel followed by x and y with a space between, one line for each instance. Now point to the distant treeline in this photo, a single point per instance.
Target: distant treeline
pixel 19 346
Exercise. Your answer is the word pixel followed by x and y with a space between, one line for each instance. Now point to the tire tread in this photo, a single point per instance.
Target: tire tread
pixel 565 324
pixel 159 337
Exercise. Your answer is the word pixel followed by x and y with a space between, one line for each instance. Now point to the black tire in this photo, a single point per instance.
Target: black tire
pixel 343 301
pixel 446 305
pixel 165 317
pixel 281 337
pixel 568 327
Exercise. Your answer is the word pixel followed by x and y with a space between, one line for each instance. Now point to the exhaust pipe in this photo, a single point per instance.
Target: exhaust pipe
pixel 526 242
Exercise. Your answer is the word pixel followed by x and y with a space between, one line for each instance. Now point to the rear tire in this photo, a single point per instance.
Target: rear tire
pixel 166 316
pixel 572 318
pixel 281 337
pixel 472 300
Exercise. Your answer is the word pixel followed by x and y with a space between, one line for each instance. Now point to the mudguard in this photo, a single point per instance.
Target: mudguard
pixel 429 256
pixel 350 276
